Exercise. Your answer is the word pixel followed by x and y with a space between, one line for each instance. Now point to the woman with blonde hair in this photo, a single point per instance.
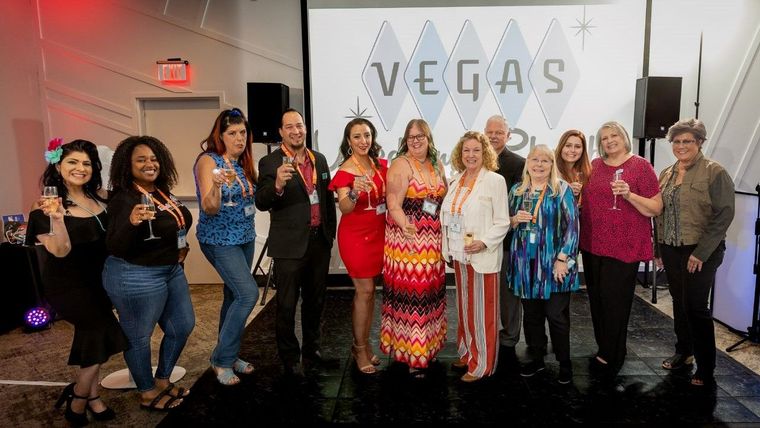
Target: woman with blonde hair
pixel 475 220
pixel 543 255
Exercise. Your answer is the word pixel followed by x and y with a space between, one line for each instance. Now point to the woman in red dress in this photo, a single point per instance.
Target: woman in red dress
pixel 360 185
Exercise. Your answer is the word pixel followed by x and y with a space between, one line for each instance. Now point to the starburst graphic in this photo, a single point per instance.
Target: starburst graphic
pixel 358 113
pixel 583 27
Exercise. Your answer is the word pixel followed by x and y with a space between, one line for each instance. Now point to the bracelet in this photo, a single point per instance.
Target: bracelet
pixel 561 260
pixel 353 196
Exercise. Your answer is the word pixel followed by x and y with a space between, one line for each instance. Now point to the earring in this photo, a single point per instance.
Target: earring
pixel 350 151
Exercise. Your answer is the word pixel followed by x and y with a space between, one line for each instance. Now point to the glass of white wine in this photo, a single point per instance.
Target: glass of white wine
pixel 469 238
pixel 50 195
pixel 617 177
pixel 147 200
pixel 527 205
pixel 366 181
pixel 229 174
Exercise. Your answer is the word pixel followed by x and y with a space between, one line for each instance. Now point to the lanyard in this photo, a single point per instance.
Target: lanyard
pixel 313 165
pixel 470 188
pixel 433 176
pixel 237 178
pixel 538 205
pixel 178 217
pixel 372 180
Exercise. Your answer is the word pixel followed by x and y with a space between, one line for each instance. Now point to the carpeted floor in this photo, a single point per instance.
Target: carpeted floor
pixel 642 393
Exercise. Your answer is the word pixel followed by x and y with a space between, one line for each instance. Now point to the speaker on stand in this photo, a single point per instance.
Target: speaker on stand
pixel 656 108
pixel 266 103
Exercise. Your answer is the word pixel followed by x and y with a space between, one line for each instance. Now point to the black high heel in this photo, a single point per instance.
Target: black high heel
pixel 106 415
pixel 68 395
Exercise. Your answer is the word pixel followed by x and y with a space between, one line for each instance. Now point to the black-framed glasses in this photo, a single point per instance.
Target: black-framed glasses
pixel 418 137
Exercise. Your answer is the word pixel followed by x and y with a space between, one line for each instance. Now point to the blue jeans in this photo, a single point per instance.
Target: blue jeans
pixel 144 296
pixel 233 262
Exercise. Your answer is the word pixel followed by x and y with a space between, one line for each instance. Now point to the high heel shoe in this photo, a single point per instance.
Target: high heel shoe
pixel 106 415
pixel 68 395
pixel 368 369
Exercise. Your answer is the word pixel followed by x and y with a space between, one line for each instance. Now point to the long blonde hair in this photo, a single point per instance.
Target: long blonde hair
pixel 541 149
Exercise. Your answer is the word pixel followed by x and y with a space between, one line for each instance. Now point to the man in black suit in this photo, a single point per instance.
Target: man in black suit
pixel 511 168
pixel 301 234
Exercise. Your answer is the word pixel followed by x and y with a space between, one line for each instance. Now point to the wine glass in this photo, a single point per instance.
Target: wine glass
pixel 229 174
pixel 50 195
pixel 364 179
pixel 527 205
pixel 289 160
pixel 410 221
pixel 617 177
pixel 147 200
pixel 469 238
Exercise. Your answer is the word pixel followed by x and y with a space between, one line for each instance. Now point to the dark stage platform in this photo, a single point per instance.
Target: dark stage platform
pixel 643 393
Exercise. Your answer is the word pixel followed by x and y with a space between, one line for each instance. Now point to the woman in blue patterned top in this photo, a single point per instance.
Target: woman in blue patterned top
pixel 542 258
pixel 224 185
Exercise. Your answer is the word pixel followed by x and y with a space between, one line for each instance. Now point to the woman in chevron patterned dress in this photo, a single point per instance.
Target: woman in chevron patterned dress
pixel 413 327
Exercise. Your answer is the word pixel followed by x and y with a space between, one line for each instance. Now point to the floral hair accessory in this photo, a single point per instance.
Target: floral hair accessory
pixel 54 150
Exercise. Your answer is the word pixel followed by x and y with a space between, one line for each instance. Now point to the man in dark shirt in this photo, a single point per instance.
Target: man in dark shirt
pixel 511 168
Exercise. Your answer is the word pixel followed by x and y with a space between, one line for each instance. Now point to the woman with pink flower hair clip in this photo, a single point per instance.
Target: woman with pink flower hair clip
pixel 71 262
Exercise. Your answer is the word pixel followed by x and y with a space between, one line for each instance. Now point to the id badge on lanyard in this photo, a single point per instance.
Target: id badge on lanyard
pixel 430 206
pixel 181 239
pixel 314 197
pixel 456 223
pixel 381 209
pixel 249 209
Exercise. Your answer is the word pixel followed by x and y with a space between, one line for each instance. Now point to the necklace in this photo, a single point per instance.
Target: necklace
pixel 95 216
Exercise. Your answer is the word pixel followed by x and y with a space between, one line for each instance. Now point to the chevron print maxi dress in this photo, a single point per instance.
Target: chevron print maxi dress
pixel 413 322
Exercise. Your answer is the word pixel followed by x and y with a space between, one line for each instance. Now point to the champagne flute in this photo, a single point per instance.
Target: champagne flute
pixel 410 221
pixel 50 195
pixel 147 200
pixel 229 174
pixel 469 238
pixel 617 177
pixel 367 181
pixel 527 205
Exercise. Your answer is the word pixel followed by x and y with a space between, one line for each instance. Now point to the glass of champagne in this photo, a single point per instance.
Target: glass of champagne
pixel 289 160
pixel 151 208
pixel 616 177
pixel 527 205
pixel 366 181
pixel 229 174
pixel 50 195
pixel 410 221
pixel 469 238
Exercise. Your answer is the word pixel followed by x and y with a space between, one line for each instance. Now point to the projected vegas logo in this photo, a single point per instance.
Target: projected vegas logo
pixel 466 75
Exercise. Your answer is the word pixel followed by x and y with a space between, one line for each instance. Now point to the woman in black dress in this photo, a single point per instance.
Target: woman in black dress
pixel 71 262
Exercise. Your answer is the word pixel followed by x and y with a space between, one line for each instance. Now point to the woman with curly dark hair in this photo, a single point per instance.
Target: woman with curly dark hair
pixel 71 261
pixel 143 273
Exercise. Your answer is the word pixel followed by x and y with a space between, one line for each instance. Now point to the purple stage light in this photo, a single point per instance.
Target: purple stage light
pixel 37 318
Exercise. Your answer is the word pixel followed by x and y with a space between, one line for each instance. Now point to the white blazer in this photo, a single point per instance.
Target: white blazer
pixel 486 213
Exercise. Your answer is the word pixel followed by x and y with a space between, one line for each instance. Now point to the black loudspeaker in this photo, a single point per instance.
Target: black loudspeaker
pixel 657 107
pixel 266 103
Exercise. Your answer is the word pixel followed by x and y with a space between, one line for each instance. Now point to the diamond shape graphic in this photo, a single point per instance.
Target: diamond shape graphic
pixel 465 75
pixel 554 74
pixel 508 73
pixel 382 76
pixel 424 74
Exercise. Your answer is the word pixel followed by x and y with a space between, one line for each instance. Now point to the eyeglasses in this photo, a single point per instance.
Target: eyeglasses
pixel 683 142
pixel 418 137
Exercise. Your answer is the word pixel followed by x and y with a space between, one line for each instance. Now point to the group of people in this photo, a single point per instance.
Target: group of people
pixel 510 228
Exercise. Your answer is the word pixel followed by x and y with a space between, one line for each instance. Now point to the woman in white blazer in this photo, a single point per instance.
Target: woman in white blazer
pixel 475 220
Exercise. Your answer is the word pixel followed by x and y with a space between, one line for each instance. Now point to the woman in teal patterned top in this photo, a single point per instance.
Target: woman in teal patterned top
pixel 544 246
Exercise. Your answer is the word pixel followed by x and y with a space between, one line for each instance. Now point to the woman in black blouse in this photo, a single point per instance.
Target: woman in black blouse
pixel 144 275
pixel 71 261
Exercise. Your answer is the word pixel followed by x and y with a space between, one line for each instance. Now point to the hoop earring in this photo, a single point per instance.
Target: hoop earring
pixel 350 151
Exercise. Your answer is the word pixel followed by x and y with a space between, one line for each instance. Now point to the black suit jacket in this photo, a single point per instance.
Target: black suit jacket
pixel 290 214
pixel 511 168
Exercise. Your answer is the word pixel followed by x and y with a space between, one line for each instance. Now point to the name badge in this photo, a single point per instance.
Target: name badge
pixel 314 197
pixel 430 206
pixel 456 223
pixel 249 209
pixel 381 209
pixel 532 237
pixel 181 239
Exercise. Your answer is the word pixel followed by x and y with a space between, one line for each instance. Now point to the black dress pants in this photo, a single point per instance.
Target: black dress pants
pixel 610 284
pixel 535 314
pixel 307 278
pixel 692 318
